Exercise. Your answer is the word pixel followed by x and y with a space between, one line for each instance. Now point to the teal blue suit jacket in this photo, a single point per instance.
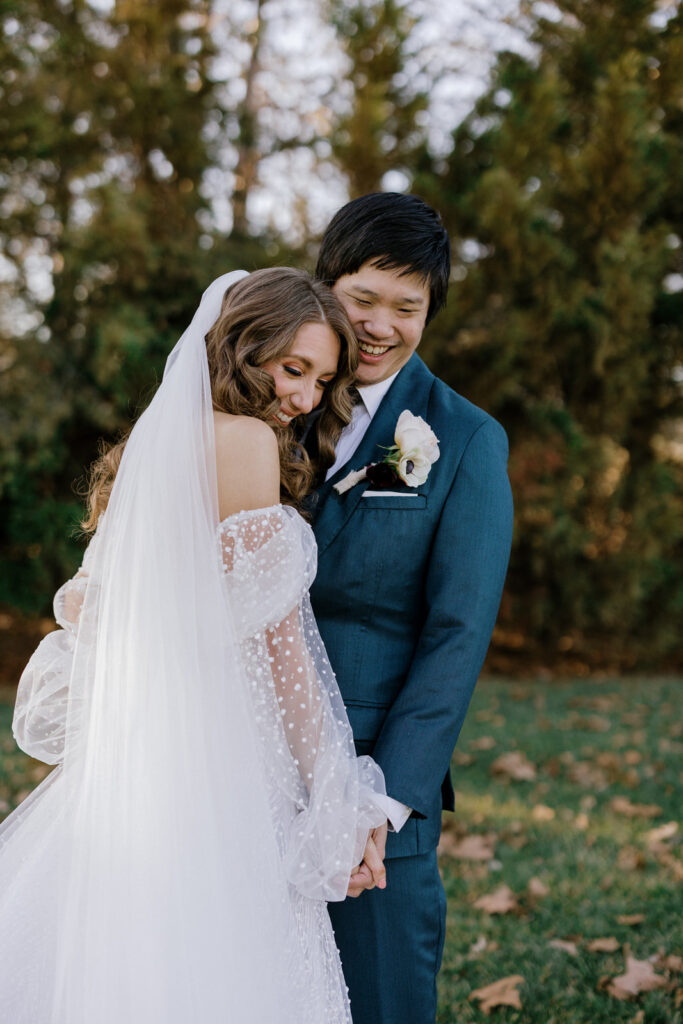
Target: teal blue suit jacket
pixel 407 593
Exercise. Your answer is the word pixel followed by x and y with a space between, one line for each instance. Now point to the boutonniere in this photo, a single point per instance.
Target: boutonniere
pixel 409 459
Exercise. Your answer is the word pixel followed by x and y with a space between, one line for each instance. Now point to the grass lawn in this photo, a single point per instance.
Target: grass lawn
pixel 566 824
pixel 594 855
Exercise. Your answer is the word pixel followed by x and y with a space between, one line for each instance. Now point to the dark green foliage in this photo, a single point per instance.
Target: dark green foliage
pixel 562 326
pixel 562 195
pixel 381 131
pixel 101 170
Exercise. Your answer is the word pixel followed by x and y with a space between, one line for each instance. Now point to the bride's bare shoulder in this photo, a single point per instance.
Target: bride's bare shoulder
pixel 248 428
pixel 247 463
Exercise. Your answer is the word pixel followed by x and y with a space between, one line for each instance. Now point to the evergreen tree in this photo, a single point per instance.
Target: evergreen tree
pixel 102 156
pixel 562 191
pixel 381 131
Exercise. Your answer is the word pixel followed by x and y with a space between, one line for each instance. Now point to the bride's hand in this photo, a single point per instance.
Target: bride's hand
pixel 371 872
pixel 379 838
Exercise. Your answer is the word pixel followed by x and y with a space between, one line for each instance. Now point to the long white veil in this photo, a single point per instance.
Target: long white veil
pixel 142 882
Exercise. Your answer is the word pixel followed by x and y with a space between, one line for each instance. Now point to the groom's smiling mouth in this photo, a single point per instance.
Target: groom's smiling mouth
pixel 372 352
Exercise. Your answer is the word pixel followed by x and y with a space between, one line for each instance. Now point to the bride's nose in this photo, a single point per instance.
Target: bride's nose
pixel 304 396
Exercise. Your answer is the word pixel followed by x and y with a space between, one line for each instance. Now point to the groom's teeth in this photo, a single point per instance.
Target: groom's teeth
pixel 373 350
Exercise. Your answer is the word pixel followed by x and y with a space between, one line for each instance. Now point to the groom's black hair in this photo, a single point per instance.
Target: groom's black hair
pixel 393 231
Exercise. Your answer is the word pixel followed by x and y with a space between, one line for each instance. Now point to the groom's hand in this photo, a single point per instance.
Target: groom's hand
pixel 371 872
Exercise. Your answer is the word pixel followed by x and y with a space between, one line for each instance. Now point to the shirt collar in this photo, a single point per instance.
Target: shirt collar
pixel 372 394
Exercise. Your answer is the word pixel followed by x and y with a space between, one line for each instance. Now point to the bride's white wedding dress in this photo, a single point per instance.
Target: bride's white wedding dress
pixel 207 800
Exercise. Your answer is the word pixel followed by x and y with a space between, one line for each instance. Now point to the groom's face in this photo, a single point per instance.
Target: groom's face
pixel 388 312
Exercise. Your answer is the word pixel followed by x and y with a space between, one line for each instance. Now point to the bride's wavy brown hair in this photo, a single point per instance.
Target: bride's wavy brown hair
pixel 259 319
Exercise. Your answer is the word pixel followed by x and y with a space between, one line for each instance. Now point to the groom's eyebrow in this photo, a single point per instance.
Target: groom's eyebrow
pixel 406 300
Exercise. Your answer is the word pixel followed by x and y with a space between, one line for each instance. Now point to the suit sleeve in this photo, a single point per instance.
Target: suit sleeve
pixel 463 586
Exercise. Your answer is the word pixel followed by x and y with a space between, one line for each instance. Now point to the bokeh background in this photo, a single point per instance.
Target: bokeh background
pixel 146 147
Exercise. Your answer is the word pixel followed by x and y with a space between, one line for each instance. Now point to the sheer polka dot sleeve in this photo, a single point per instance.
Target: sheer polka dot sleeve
pixel 43 701
pixel 323 798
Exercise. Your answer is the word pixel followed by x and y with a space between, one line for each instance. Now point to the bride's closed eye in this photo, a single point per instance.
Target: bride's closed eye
pixel 294 371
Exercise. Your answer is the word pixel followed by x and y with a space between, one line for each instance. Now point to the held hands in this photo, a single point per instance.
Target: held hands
pixel 371 872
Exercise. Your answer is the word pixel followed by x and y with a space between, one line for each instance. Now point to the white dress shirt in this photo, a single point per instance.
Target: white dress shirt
pixel 353 434
pixel 351 437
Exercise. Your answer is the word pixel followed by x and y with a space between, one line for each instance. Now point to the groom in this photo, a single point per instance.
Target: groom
pixel 408 586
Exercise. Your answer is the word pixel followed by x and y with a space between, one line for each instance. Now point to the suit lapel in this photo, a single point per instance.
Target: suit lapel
pixel 410 390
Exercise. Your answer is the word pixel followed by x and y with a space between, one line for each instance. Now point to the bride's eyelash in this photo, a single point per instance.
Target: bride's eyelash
pixel 294 371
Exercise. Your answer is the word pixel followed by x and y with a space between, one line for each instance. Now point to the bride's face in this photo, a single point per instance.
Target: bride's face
pixel 302 374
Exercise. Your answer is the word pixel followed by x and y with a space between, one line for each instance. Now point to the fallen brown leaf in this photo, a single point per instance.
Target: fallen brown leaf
pixel 565 946
pixel 541 812
pixel 606 945
pixel 514 765
pixel 630 859
pixel 501 901
pixel 483 743
pixel 622 805
pixel 610 761
pixel 630 919
pixel 537 888
pixel 606 702
pixel 592 723
pixel 490 715
pixel 630 778
pixel 639 976
pixel 669 963
pixel 661 833
pixel 581 821
pixel 500 993
pixel 462 759
pixel 674 865
pixel 583 773
pixel 474 847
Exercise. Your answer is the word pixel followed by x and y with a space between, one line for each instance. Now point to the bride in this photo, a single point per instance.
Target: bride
pixel 207 800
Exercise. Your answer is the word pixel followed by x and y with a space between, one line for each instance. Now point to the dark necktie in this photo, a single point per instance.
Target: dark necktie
pixel 355 396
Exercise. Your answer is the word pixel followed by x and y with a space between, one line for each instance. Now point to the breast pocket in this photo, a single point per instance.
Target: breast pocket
pixel 404 502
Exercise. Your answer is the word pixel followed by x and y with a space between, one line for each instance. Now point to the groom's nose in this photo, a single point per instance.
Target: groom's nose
pixel 378 324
